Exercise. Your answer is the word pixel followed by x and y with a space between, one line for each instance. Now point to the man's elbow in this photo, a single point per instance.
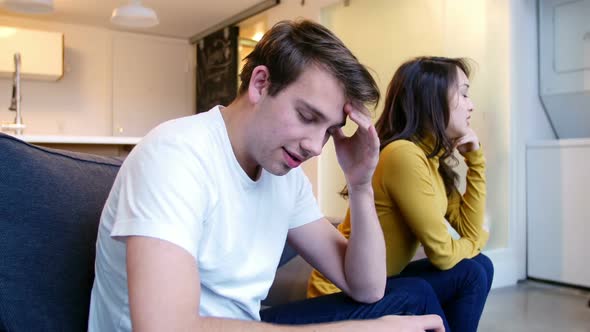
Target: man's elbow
pixel 369 296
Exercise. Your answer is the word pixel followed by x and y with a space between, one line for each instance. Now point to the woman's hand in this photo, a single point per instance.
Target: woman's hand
pixel 467 143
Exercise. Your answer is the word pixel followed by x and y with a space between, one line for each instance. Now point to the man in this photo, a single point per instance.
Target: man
pixel 193 229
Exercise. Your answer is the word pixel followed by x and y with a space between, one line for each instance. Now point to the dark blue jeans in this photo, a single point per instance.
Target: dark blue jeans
pixel 462 290
pixel 403 296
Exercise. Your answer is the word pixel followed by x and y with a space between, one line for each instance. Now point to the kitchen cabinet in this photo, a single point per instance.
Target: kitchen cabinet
pixel 42 53
pixel 558 187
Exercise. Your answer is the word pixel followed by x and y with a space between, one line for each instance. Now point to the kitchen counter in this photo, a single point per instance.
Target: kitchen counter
pixel 98 140
pixel 101 145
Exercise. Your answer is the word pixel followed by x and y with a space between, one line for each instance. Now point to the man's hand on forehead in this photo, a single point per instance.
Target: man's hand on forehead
pixel 357 154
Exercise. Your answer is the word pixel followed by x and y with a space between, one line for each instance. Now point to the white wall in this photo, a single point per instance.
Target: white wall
pixel 81 102
pixel 529 122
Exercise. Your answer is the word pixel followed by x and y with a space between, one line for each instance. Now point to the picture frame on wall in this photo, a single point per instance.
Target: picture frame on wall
pixel 217 68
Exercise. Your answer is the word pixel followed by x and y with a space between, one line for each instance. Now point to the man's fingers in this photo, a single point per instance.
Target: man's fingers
pixel 431 322
pixel 360 117
pixel 337 134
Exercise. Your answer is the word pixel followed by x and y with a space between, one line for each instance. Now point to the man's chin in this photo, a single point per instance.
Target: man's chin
pixel 279 170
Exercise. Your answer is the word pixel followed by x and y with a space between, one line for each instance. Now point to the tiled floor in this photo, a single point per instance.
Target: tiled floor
pixel 534 306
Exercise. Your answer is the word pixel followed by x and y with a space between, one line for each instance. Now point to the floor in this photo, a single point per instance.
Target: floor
pixel 535 306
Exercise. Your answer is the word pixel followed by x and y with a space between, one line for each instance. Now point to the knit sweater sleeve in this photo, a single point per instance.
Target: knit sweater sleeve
pixel 410 183
pixel 466 212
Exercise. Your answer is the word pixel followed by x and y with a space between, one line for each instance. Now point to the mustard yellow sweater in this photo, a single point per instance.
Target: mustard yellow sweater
pixel 412 205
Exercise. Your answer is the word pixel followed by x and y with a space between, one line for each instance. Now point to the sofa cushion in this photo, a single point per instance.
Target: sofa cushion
pixel 50 205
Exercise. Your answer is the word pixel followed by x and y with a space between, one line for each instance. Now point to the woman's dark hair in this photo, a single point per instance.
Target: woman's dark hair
pixel 417 109
pixel 290 47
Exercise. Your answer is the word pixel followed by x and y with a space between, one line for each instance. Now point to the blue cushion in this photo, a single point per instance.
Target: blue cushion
pixel 50 205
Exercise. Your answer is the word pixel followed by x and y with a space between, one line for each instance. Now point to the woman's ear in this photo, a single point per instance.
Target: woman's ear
pixel 259 83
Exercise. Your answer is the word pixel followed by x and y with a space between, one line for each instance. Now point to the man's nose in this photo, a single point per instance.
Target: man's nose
pixel 312 146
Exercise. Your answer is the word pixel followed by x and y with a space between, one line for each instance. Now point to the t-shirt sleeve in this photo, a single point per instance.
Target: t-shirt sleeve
pixel 306 208
pixel 163 194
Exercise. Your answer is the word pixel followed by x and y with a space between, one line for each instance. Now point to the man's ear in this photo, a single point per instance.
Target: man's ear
pixel 259 83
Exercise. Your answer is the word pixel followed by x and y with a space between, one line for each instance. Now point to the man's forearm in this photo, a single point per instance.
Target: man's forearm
pixel 212 324
pixel 365 265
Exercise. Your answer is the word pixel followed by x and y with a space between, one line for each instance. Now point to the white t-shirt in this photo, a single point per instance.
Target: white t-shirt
pixel 183 184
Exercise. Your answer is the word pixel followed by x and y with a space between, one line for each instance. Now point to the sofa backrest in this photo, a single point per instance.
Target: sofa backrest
pixel 50 206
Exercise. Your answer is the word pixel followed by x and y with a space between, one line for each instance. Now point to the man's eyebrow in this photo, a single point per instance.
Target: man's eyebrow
pixel 465 84
pixel 319 114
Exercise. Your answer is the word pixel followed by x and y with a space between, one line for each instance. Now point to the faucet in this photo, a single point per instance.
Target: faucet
pixel 18 124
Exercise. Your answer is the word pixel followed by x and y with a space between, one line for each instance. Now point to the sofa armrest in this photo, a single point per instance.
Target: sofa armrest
pixel 51 206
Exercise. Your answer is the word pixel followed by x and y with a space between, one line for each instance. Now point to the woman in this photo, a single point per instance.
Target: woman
pixel 426 117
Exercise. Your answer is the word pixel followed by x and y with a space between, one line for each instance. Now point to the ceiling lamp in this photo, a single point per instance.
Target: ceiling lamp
pixel 134 15
pixel 28 6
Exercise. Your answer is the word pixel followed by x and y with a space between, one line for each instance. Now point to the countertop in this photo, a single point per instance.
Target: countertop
pixel 99 140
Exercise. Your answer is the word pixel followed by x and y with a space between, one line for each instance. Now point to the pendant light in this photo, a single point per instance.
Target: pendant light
pixel 134 15
pixel 28 6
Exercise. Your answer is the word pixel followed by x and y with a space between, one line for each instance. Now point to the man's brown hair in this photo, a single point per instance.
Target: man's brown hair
pixel 291 46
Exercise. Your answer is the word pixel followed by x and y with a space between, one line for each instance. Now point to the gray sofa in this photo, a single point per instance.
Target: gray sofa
pixel 50 205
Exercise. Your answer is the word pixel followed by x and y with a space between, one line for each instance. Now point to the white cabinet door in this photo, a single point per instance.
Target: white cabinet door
pixel 558 211
pixel 152 82
pixel 42 53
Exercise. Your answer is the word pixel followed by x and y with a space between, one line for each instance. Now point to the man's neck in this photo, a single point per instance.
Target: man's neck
pixel 237 118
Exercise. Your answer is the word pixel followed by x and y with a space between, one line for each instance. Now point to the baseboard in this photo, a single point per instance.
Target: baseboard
pixel 505 267
pixel 561 284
